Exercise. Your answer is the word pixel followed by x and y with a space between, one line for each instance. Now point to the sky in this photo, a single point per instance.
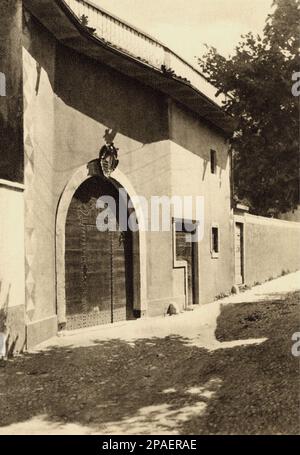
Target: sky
pixel 186 25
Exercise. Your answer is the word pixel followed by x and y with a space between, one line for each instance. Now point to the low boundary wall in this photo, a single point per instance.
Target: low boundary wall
pixel 271 247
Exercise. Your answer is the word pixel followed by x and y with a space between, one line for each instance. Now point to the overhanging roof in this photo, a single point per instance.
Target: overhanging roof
pixel 61 21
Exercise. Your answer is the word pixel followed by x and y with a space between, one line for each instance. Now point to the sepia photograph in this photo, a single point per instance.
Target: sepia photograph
pixel 149 221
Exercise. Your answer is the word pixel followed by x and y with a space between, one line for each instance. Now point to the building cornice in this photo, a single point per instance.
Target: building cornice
pixel 65 26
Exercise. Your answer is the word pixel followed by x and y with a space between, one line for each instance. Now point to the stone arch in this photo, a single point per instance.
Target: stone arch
pixel 139 245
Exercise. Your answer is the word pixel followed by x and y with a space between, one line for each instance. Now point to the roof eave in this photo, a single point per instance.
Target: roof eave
pixel 60 20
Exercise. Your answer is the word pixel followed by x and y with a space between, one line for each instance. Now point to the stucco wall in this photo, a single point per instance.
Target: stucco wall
pixel 12 293
pixel 70 101
pixel 92 98
pixel 271 247
pixel 192 141
pixel 40 203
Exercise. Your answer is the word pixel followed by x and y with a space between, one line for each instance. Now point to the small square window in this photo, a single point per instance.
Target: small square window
pixel 215 248
pixel 213 161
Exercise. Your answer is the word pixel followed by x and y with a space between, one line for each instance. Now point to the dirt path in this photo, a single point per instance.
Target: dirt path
pixel 223 368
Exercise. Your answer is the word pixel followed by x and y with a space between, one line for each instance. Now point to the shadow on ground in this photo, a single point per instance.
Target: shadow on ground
pixel 157 386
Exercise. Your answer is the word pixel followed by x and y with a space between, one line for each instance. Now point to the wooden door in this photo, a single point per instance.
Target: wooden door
pixel 185 251
pixel 239 254
pixel 98 264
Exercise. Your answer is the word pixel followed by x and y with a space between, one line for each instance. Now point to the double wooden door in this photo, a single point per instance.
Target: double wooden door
pixel 98 273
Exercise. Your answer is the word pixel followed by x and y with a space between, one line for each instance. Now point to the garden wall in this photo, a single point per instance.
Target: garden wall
pixel 271 247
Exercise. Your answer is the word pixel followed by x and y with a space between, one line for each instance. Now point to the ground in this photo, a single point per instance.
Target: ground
pixel 225 368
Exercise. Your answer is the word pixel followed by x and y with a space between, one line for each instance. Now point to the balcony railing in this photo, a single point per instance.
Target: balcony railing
pixel 141 46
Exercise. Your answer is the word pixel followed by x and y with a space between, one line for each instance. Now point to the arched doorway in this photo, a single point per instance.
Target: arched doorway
pixel 98 264
pixel 119 180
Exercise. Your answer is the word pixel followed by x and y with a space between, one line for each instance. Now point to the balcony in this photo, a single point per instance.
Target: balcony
pixel 141 46
pixel 129 51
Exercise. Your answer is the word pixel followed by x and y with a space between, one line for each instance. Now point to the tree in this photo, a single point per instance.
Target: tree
pixel 257 80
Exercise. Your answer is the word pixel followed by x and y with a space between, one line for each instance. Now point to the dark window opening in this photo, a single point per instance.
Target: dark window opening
pixel 215 239
pixel 213 161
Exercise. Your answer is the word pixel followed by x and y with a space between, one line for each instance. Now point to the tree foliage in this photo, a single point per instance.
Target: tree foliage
pixel 257 80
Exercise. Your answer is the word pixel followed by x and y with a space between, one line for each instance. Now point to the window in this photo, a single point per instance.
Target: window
pixel 215 249
pixel 213 161
pixel 184 232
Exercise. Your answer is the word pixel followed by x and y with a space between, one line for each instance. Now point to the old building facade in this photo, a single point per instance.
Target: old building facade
pixel 74 85
pixel 74 90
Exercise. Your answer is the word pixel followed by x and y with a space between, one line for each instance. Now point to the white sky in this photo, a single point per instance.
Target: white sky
pixel 185 25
